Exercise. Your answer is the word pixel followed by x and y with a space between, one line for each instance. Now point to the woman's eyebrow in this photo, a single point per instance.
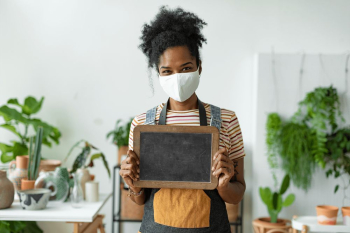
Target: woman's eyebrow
pixel 166 67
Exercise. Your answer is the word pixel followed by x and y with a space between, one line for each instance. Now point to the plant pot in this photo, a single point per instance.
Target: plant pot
pixel 7 191
pixel 346 215
pixel 84 176
pixel 34 199
pixel 18 171
pixel 47 165
pixel 327 214
pixel 92 177
pixel 123 150
pixel 129 209
pixel 263 225
pixel 27 184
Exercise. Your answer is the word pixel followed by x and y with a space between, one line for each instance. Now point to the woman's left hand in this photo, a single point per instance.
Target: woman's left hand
pixel 223 168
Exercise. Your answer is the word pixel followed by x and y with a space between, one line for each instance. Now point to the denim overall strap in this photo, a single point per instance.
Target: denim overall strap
pixel 215 119
pixel 151 116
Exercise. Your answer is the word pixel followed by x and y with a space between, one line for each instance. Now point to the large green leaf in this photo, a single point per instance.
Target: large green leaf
pixel 12 114
pixel 289 200
pixel 285 184
pixel 265 194
pixel 5 149
pixel 81 158
pixel 5 227
pixel 31 105
pixel 19 149
pixel 49 132
pixel 31 227
pixel 10 128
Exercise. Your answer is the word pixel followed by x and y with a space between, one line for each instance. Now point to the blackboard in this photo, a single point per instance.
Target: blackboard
pixel 176 156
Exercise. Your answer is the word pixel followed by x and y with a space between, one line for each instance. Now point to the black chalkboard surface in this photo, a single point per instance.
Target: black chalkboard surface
pixel 176 156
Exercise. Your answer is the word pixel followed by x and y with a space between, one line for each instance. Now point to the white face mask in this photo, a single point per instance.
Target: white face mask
pixel 180 86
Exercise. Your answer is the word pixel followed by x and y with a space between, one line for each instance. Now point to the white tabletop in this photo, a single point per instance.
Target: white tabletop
pixel 313 226
pixel 63 212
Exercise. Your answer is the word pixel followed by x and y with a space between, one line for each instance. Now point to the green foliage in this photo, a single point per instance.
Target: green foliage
pixel 302 141
pixel 35 155
pixel 19 227
pixel 15 118
pixel 274 200
pixel 85 154
pixel 120 133
pixel 320 110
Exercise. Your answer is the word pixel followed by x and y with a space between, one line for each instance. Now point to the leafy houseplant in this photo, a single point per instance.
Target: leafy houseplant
pixel 85 154
pixel 19 227
pixel 121 137
pixel 120 133
pixel 14 119
pixel 34 160
pixel 274 200
pixel 301 142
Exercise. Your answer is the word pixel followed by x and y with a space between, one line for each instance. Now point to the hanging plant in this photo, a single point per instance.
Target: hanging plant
pixel 301 142
pixel 320 110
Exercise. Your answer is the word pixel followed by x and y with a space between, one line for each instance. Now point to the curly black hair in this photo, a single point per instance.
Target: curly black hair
pixel 171 28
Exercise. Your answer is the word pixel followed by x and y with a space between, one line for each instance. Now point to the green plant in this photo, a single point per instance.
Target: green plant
pixel 338 158
pixel 301 141
pixel 320 110
pixel 85 154
pixel 15 119
pixel 121 133
pixel 19 227
pixel 274 201
pixel 35 155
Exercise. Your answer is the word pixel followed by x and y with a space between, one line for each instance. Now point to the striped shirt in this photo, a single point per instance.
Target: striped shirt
pixel 230 132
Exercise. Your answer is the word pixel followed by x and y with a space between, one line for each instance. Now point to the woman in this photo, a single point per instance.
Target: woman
pixel 171 43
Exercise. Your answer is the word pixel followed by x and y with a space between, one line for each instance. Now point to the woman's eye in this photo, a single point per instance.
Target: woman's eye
pixel 166 71
pixel 187 68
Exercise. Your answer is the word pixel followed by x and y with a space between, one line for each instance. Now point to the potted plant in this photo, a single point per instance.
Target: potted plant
pixel 121 137
pixel 85 155
pixel 274 203
pixel 14 119
pixel 34 161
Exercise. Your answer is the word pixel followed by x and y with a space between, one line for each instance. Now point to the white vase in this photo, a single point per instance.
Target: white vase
pixel 84 176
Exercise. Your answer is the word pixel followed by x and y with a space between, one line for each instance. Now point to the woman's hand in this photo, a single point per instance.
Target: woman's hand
pixel 130 170
pixel 223 168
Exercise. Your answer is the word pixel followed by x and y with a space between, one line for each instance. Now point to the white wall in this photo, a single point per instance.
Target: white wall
pixel 83 57
pixel 318 71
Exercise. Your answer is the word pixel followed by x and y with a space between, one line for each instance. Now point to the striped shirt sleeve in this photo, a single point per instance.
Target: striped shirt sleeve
pixel 138 120
pixel 236 151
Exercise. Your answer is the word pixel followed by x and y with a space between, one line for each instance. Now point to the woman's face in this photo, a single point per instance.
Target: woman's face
pixel 177 60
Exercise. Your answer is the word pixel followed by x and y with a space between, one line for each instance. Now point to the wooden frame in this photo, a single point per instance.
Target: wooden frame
pixel 178 129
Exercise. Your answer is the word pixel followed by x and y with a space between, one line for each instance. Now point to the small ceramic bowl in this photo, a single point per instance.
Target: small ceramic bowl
pixel 34 199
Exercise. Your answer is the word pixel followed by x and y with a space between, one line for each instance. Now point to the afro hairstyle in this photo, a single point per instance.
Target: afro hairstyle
pixel 171 28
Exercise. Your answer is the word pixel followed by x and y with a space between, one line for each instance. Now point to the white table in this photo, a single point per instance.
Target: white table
pixel 309 224
pixel 82 217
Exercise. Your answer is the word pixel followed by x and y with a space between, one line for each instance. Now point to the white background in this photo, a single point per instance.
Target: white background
pixel 83 57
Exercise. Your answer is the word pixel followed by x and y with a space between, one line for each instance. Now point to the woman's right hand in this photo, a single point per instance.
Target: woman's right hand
pixel 130 170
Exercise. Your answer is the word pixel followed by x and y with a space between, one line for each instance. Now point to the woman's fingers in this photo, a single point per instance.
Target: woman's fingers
pixel 228 171
pixel 132 155
pixel 133 167
pixel 218 158
pixel 223 166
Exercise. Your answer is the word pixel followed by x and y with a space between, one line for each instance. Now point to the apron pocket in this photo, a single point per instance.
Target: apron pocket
pixel 182 208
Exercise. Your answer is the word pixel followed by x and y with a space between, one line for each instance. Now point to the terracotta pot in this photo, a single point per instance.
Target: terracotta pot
pixel 27 184
pixel 7 191
pixel 122 151
pixel 47 165
pixel 263 225
pixel 92 177
pixel 18 171
pixel 129 209
pixel 327 214
pixel 346 215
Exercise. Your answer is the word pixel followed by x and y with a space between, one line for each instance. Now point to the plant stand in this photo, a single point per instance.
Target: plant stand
pixel 116 217
pixel 306 224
